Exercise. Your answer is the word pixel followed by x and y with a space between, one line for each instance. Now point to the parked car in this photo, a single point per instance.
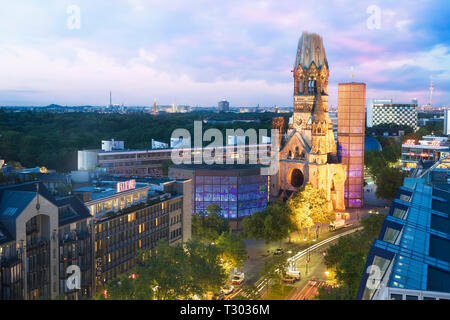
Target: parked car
pixel 294 273
pixel 289 279
pixel 227 289
pixel 334 225
pixel 238 278
pixel 278 251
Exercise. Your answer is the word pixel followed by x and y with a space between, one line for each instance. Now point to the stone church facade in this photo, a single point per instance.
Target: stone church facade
pixel 308 150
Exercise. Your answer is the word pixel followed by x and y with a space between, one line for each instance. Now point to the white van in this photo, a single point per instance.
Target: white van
pixel 294 274
pixel 340 223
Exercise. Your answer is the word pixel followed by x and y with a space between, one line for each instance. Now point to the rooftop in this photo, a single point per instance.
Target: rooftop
pixel 165 149
pixel 413 248
pixel 107 188
pixel 71 209
pixel 14 199
pixel 219 167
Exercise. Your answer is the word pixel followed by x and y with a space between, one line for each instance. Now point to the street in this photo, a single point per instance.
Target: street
pixel 257 257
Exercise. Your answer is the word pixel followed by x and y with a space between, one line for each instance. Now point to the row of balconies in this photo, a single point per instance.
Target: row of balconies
pixel 135 238
pixel 119 261
pixel 126 227
pixel 127 257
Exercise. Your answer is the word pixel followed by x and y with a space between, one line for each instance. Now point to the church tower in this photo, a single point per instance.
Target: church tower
pixel 311 96
pixel 309 152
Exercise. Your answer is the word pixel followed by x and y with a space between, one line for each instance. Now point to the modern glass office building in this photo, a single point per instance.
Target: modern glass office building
pixel 239 190
pixel 411 258
pixel 237 196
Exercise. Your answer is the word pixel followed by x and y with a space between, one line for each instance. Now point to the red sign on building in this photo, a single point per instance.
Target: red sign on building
pixel 126 185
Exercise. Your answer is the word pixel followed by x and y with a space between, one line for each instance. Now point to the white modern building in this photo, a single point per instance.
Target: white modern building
pixel 446 122
pixel 385 111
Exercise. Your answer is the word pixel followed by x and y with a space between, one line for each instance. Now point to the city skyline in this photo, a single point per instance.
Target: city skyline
pixel 196 55
pixel 295 196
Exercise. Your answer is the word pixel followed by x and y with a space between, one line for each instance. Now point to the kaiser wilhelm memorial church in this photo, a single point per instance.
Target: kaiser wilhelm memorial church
pixel 308 150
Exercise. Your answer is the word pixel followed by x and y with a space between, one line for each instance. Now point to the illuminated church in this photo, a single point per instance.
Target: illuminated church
pixel 308 150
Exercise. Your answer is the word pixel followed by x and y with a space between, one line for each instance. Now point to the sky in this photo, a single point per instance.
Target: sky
pixel 198 52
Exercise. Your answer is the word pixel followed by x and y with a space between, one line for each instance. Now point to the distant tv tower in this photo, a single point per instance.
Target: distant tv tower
pixel 110 99
pixel 154 107
pixel 431 91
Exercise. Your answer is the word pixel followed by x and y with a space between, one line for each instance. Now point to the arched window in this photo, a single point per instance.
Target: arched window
pixel 311 86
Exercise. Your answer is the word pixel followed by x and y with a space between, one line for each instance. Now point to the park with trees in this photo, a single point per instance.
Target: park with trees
pixel 345 260
pixel 52 139
pixel 307 208
pixel 182 271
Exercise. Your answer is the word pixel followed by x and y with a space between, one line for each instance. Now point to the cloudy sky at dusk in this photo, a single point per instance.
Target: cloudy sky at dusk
pixel 197 52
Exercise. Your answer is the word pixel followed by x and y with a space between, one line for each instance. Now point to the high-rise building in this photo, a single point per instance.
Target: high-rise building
pixel 447 122
pixel 384 111
pixel 133 215
pixel 223 106
pixel 351 131
pixel 43 240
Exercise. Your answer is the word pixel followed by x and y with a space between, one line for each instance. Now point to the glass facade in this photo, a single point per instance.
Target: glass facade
pixel 351 130
pixel 237 196
pixel 418 250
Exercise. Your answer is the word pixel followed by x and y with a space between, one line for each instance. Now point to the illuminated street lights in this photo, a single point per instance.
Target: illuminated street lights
pixel 308 257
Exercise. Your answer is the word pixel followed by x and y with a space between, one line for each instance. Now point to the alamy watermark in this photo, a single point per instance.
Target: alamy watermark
pixel 73 282
pixel 74 19
pixel 216 153
pixel 374 279
pixel 374 20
